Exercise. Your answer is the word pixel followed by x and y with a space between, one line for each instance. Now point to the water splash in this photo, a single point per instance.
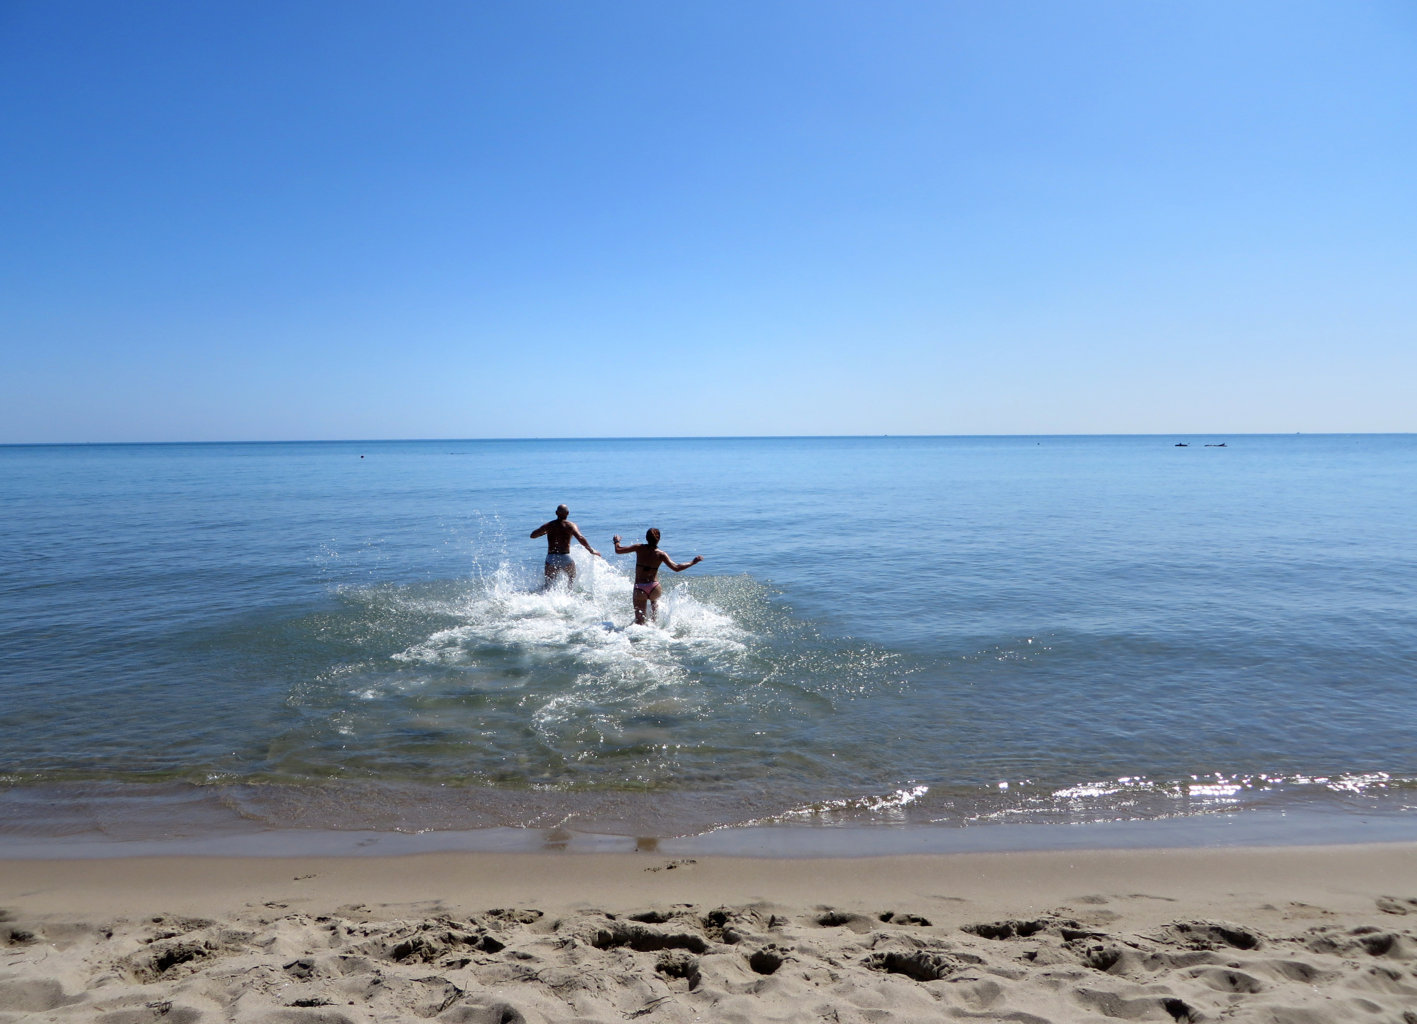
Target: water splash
pixel 495 680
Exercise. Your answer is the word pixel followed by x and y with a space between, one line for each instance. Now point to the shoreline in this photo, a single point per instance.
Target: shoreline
pixel 1277 829
pixel 1016 881
pixel 1317 933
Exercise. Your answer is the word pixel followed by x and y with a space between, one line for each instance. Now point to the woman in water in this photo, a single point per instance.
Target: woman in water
pixel 648 559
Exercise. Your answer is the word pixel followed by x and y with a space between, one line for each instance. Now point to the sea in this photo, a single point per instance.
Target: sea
pixel 893 644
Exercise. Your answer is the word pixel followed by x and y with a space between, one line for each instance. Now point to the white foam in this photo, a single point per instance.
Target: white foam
pixel 884 806
pixel 583 636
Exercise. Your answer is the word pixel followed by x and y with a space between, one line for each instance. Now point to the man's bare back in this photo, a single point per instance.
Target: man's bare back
pixel 558 536
pixel 559 533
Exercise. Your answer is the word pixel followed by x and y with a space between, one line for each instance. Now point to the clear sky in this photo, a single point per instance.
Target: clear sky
pixel 275 219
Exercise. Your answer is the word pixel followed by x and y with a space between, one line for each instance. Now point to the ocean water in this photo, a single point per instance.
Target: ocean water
pixel 886 633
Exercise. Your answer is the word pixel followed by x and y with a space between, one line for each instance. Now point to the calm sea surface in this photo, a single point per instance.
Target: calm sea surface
pixel 930 632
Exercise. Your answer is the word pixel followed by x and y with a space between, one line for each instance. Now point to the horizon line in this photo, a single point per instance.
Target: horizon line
pixel 698 437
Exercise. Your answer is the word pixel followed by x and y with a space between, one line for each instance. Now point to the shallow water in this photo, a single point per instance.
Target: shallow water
pixel 924 631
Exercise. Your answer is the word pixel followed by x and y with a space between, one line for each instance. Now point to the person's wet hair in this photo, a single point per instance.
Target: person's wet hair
pixel 652 535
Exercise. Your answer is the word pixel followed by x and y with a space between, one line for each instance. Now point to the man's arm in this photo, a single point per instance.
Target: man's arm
pixel 576 533
pixel 540 531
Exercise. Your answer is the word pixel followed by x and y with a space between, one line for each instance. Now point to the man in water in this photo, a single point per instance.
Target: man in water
pixel 558 534
pixel 648 559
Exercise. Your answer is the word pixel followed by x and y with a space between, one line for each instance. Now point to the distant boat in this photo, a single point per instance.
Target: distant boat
pixel 1182 444
pixel 1220 445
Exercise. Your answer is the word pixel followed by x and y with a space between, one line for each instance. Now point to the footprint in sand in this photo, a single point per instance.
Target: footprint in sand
pixel 833 918
pixel 901 917
pixel 673 865
pixel 768 959
pixel 919 964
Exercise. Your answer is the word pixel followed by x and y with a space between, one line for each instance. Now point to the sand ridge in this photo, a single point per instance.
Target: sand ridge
pixel 875 951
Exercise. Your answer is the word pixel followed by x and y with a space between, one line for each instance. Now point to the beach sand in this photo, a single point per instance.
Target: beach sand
pixel 1284 935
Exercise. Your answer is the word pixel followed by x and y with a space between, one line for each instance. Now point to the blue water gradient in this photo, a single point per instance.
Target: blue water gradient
pixel 924 632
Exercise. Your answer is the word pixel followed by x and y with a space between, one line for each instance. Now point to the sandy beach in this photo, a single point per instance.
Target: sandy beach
pixel 1286 935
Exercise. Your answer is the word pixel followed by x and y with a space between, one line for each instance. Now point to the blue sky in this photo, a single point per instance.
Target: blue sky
pixel 272 220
